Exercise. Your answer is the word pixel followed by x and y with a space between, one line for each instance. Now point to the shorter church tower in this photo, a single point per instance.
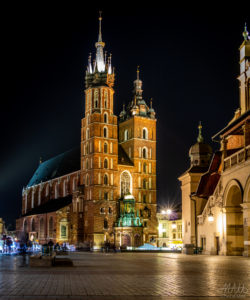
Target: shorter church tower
pixel 200 156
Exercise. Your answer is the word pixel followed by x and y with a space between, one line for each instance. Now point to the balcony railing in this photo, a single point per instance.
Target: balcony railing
pixel 237 158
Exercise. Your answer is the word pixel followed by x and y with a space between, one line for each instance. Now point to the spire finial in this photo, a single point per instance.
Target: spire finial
pixel 200 137
pixel 138 72
pixel 40 160
pixel 245 33
pixel 100 26
pixel 151 103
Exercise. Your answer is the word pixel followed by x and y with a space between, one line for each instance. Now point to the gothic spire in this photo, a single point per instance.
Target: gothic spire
pixel 99 48
pixel 245 33
pixel 200 137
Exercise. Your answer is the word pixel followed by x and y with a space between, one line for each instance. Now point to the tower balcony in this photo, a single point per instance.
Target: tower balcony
pixel 237 158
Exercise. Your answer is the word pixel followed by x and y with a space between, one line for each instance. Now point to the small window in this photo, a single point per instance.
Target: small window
pixel 105 224
pixel 106 195
pixel 126 135
pixel 105 163
pixel 144 153
pixel 63 231
pixel 105 118
pixel 110 210
pixel 102 210
pixel 144 183
pixel 105 179
pixel 105 148
pixel 105 132
pixel 144 198
pixel 164 235
pixel 145 168
pixel 145 134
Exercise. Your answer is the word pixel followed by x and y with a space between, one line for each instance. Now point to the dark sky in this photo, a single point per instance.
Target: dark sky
pixel 189 65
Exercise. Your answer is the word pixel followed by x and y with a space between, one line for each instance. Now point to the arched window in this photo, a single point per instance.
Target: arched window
pixel 110 210
pixel 145 133
pixel 105 99
pixel 105 163
pixel 87 148
pixel 41 228
pixel 87 163
pixel 125 183
pixel 87 180
pixel 105 132
pixel 126 135
pixel 102 210
pixel 87 133
pixel 106 195
pixel 145 168
pixel 105 148
pixel 105 118
pixel 105 179
pixel 51 227
pixel 96 98
pixel 25 226
pixel 144 183
pixel 144 198
pixel 33 225
pixel 56 191
pixel 144 152
pixel 105 224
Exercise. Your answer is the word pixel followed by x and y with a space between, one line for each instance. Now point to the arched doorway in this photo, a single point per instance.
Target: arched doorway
pixel 137 240
pixel 126 240
pixel 234 219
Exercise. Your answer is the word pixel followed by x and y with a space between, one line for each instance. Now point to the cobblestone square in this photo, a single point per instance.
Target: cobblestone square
pixel 128 276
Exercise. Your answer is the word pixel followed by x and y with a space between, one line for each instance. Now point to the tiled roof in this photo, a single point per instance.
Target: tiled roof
pixel 57 166
pixel 209 180
pixel 123 158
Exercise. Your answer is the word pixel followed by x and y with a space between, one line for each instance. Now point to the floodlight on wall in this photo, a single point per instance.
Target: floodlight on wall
pixel 210 216
pixel 173 225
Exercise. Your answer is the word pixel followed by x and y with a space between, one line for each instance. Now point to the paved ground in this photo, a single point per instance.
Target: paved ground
pixel 128 276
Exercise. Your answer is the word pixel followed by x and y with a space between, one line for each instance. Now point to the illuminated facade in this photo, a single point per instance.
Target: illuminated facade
pixel 110 195
pixel 216 189
pixel 169 232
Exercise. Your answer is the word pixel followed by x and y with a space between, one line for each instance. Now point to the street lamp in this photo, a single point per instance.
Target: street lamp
pixel 210 216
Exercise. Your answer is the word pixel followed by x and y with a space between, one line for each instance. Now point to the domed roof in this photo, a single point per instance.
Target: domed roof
pixel 200 148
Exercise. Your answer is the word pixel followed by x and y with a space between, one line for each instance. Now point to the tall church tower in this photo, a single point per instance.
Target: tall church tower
pixel 99 148
pixel 137 136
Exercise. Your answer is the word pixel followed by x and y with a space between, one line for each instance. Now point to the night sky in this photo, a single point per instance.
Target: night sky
pixel 189 64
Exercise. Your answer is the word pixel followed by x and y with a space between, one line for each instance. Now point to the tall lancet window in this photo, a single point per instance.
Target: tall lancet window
pixel 125 183
pixel 96 96
pixel 105 99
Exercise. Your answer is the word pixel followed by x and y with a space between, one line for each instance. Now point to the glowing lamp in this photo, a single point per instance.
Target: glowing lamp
pixel 163 212
pixel 173 225
pixel 169 211
pixel 210 217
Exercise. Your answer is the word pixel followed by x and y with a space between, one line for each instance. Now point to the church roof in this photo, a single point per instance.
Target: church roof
pixel 57 166
pixel 50 206
pixel 123 158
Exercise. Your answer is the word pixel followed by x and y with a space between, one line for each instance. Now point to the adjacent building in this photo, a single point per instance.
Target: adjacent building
pixel 216 187
pixel 169 231
pixel 106 190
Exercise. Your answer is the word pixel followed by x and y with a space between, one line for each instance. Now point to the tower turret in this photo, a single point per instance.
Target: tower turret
pixel 200 153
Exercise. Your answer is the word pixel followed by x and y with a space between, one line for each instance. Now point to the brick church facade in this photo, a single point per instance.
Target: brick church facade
pixel 106 190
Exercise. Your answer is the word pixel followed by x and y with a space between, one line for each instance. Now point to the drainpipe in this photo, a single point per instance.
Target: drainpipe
pixel 195 219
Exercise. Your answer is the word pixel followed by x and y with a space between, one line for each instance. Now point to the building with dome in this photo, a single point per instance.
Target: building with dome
pixel 216 187
pixel 106 190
